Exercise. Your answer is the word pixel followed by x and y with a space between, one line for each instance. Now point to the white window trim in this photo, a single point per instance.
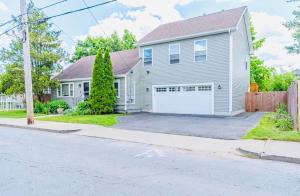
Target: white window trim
pixel 69 83
pixel 170 52
pixel 119 88
pixel 144 56
pixel 195 50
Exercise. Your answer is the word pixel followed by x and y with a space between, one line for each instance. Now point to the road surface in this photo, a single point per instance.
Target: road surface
pixel 41 163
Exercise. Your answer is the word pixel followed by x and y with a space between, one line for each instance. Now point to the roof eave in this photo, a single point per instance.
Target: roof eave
pixel 187 36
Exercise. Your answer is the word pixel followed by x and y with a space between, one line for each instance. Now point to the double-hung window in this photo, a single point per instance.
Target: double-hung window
pixel 174 53
pixel 200 50
pixel 65 90
pixel 148 56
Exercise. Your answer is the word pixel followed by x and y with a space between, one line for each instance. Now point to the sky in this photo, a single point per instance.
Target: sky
pixel 142 16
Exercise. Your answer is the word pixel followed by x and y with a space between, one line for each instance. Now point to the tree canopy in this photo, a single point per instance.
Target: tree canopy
pixel 91 45
pixel 294 25
pixel 46 55
pixel 259 73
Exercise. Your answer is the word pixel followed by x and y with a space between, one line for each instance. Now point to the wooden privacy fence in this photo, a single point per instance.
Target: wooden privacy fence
pixel 269 101
pixel 264 101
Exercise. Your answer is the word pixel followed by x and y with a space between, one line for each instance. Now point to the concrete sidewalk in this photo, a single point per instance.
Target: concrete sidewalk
pixel 269 150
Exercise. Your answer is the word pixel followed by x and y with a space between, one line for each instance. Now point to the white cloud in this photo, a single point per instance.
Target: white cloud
pixel 3 7
pixel 277 37
pixel 145 16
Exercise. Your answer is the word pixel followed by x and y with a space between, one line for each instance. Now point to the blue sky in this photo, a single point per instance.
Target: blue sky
pixel 142 16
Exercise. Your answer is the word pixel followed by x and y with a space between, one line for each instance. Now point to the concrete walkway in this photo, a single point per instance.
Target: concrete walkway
pixel 270 150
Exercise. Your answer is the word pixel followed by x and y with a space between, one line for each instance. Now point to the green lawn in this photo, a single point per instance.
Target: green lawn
pixel 104 120
pixel 267 130
pixel 15 114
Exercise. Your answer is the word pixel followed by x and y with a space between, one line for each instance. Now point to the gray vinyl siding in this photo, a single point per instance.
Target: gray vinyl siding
pixel 214 70
pixel 78 93
pixel 135 91
pixel 240 75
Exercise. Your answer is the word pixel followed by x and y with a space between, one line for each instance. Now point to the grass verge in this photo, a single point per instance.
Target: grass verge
pixel 104 120
pixel 266 130
pixel 15 114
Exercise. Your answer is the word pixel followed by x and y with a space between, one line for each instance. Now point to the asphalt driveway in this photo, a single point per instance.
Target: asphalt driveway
pixel 201 126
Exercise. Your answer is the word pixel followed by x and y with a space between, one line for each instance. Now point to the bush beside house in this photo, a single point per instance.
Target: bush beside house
pixel 50 107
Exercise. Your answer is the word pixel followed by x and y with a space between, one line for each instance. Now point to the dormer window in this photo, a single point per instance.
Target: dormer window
pixel 148 56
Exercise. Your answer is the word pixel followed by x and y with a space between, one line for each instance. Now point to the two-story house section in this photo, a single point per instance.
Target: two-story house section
pixel 199 65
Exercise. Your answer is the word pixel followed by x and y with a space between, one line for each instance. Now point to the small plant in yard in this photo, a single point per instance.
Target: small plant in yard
pixel 70 112
pixel 50 107
pixel 56 104
pixel 84 108
pixel 282 119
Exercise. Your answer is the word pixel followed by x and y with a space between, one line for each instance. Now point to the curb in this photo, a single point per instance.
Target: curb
pixel 41 129
pixel 265 156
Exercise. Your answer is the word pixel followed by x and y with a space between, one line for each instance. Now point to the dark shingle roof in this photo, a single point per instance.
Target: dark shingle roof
pixel 122 62
pixel 202 24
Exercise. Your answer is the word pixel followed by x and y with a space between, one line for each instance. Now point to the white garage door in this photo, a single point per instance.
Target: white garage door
pixel 183 99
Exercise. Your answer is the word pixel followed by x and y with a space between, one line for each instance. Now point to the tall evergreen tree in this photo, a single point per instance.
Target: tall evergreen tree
pixel 103 96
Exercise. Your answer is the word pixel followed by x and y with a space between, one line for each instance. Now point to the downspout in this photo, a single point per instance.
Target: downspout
pixel 230 70
pixel 125 104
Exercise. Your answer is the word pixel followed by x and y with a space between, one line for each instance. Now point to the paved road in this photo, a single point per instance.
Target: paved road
pixel 210 127
pixel 40 163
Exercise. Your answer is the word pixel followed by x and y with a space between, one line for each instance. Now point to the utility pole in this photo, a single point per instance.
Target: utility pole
pixel 27 63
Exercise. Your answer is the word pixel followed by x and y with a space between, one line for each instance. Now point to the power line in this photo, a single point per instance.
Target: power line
pixel 10 29
pixel 47 6
pixel 94 17
pixel 73 11
pixel 53 4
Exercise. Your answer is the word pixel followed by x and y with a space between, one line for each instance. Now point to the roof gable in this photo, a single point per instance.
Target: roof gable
pixel 210 23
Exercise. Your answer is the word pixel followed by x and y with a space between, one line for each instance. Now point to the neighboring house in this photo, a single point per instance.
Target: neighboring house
pixel 194 66
pixel 297 72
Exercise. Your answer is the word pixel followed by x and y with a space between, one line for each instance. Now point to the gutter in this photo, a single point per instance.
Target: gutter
pixel 188 36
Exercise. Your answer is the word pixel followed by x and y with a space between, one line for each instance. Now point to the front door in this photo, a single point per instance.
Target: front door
pixel 86 90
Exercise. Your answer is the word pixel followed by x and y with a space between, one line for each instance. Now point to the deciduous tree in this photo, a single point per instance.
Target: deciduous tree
pixel 46 56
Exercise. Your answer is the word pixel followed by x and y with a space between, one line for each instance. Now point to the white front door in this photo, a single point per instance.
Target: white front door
pixel 183 99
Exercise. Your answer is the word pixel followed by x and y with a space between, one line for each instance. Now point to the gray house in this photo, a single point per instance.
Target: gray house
pixel 194 66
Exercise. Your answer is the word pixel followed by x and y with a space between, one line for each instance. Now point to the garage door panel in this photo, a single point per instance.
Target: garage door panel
pixel 197 101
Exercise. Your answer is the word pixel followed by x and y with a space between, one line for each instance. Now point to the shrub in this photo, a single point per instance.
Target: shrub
pixel 38 107
pixel 282 119
pixel 41 108
pixel 84 108
pixel 284 123
pixel 70 112
pixel 58 103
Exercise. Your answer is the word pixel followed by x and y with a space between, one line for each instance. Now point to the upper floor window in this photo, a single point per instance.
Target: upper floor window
pixel 200 50
pixel 148 56
pixel 174 52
